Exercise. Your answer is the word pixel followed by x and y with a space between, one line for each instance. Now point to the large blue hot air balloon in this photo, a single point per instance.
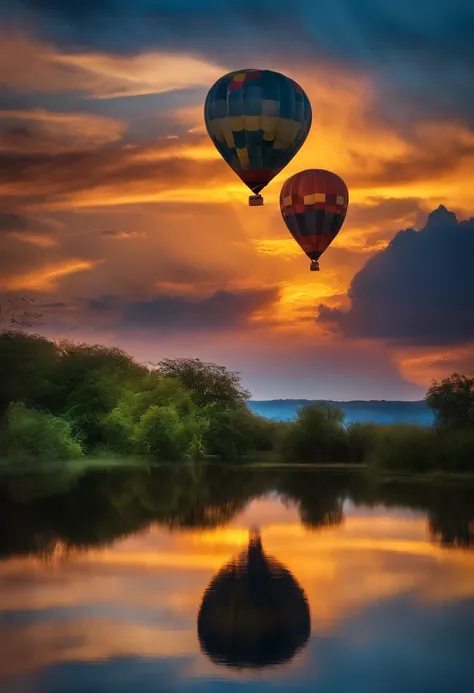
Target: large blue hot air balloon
pixel 258 120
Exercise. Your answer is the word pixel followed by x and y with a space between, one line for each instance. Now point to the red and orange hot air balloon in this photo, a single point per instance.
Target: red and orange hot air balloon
pixel 314 204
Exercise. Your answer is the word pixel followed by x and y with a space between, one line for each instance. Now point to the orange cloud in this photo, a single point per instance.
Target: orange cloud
pixel 45 279
pixel 423 365
pixel 29 65
pixel 39 240
pixel 147 73
pixel 40 131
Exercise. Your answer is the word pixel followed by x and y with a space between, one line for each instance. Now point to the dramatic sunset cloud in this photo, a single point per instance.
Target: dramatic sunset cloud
pixel 119 215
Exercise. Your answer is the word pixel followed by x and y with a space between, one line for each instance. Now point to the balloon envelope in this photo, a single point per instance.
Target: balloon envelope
pixel 258 120
pixel 314 205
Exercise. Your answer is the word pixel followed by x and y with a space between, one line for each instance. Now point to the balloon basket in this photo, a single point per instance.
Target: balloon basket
pixel 255 201
pixel 314 267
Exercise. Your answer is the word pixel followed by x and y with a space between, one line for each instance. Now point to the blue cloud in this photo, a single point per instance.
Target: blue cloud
pixel 418 291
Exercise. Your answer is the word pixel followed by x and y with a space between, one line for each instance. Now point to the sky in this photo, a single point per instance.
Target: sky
pixel 120 218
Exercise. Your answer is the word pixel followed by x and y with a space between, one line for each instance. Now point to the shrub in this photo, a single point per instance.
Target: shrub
pixel 317 435
pixel 234 432
pixel 162 434
pixel 456 451
pixel 361 441
pixel 406 447
pixel 30 434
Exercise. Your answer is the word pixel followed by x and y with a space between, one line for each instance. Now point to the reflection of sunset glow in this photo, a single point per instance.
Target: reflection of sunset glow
pixel 154 580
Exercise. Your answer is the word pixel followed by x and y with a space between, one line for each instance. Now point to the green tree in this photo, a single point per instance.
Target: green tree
pixel 407 447
pixel 27 365
pixel 88 382
pixel 452 400
pixel 361 439
pixel 162 434
pixel 153 390
pixel 317 435
pixel 32 434
pixel 208 382
pixel 234 432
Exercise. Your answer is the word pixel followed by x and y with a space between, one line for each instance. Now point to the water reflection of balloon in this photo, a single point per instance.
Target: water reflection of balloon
pixel 254 614
pixel 257 120
pixel 313 205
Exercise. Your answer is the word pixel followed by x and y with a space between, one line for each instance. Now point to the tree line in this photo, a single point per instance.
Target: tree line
pixel 64 400
pixel 76 508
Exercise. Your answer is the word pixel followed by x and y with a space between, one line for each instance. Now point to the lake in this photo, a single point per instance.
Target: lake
pixel 216 579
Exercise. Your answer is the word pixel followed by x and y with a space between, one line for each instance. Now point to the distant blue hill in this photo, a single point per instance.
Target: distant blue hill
pixel 377 411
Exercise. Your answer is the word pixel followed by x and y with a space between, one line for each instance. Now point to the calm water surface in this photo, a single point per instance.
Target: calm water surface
pixel 225 580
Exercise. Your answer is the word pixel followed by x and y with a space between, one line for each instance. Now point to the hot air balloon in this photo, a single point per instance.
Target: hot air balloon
pixel 313 205
pixel 258 120
pixel 254 614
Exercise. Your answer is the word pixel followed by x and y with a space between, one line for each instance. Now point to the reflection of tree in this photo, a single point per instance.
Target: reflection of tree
pixel 39 511
pixel 449 506
pixel 319 496
pixel 451 520
pixel 448 531
pixel 253 614
pixel 78 510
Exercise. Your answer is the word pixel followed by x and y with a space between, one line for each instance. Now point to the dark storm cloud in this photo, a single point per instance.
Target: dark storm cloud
pixel 422 49
pixel 418 291
pixel 223 310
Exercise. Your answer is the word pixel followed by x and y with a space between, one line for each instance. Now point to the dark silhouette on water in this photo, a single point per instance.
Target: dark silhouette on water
pixel 254 614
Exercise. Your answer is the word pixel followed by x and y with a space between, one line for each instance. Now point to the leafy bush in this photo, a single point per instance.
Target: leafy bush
pixel 456 451
pixel 162 434
pixel 31 434
pixel 317 435
pixel 405 447
pixel 234 432
pixel 418 449
pixel 361 441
